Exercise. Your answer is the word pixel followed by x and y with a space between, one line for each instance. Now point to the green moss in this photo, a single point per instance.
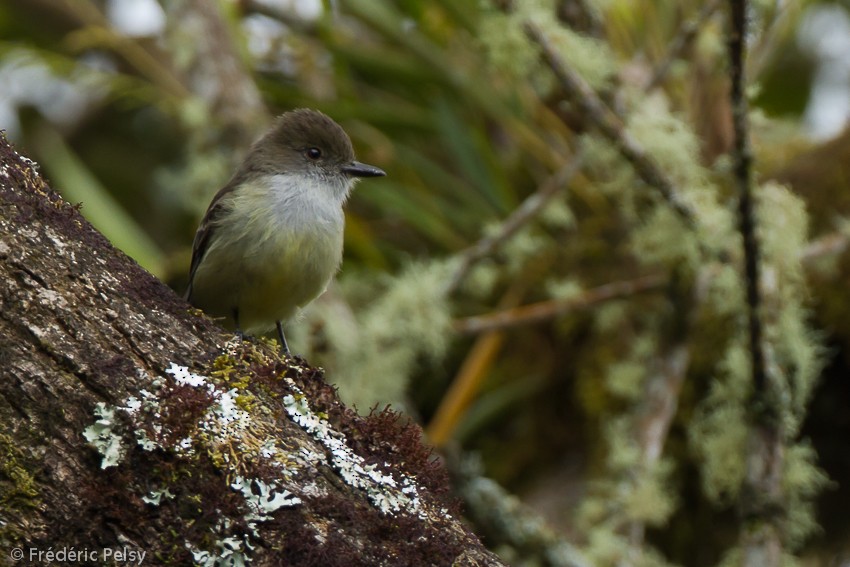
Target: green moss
pixel 18 490
pixel 18 487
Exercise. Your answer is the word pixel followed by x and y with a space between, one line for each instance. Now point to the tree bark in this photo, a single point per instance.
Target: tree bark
pixel 131 423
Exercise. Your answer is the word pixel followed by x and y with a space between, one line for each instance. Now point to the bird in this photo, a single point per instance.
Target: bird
pixel 271 239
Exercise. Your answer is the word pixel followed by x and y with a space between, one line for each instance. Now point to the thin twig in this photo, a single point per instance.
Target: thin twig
pixel 211 66
pixel 607 122
pixel 746 209
pixel 545 310
pixel 529 208
pixel 282 14
pixel 653 420
pixel 761 501
pixel 685 36
pixel 834 243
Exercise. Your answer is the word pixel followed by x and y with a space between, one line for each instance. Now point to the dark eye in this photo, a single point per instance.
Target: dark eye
pixel 313 153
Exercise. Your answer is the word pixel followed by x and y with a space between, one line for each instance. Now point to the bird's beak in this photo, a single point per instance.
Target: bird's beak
pixel 357 169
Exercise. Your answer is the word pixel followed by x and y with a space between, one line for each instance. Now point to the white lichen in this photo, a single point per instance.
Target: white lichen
pixel 105 435
pixel 223 424
pixel 384 492
pixel 263 498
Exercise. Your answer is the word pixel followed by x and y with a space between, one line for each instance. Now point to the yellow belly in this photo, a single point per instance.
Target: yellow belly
pixel 266 281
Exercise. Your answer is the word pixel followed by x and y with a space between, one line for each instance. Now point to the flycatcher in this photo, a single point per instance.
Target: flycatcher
pixel 271 240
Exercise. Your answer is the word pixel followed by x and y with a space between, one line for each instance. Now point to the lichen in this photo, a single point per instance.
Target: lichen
pixel 195 418
pixel 106 436
pixel 383 490
pixel 199 422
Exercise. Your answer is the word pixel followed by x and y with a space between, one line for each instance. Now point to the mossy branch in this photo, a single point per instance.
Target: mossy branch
pixel 684 38
pixel 762 493
pixel 742 157
pixel 609 125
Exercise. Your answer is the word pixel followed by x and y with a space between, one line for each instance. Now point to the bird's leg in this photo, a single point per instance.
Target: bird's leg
pixel 284 348
pixel 239 334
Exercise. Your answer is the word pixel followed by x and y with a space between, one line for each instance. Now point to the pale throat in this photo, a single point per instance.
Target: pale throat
pixel 296 200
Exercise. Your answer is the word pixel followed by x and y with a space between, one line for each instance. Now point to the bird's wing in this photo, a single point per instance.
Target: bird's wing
pixel 202 237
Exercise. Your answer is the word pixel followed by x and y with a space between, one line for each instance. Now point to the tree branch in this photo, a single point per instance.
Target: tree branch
pixel 529 208
pixel 609 125
pixel 685 36
pixel 536 312
pixel 742 158
pixel 760 505
pixel 200 449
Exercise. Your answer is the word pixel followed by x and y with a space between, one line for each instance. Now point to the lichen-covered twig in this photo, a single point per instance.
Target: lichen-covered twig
pixel 760 506
pixel 529 208
pixel 505 519
pixel 544 310
pixel 653 419
pixel 212 69
pixel 609 125
pixel 685 37
pixel 742 157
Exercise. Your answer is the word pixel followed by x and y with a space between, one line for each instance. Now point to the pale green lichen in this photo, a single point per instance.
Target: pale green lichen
pixel 649 498
pixel 482 278
pixel 626 376
pixel 623 452
pixel 526 243
pixel 389 493
pixel 669 140
pixel 223 431
pixel 106 435
pixel 613 177
pixel 610 316
pixel 735 558
pixel 563 289
pixel 635 491
pixel 607 547
pixel 590 57
pixel 795 351
pixel 802 481
pixel 782 228
pixel 625 379
pixel 724 295
pixel 506 45
pixel 557 214
pixel 719 430
pixel 509 50
pixel 662 238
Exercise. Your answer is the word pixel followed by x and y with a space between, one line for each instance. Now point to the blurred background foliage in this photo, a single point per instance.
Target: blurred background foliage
pixel 610 393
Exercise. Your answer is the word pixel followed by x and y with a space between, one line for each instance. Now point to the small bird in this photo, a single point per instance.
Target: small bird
pixel 271 239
